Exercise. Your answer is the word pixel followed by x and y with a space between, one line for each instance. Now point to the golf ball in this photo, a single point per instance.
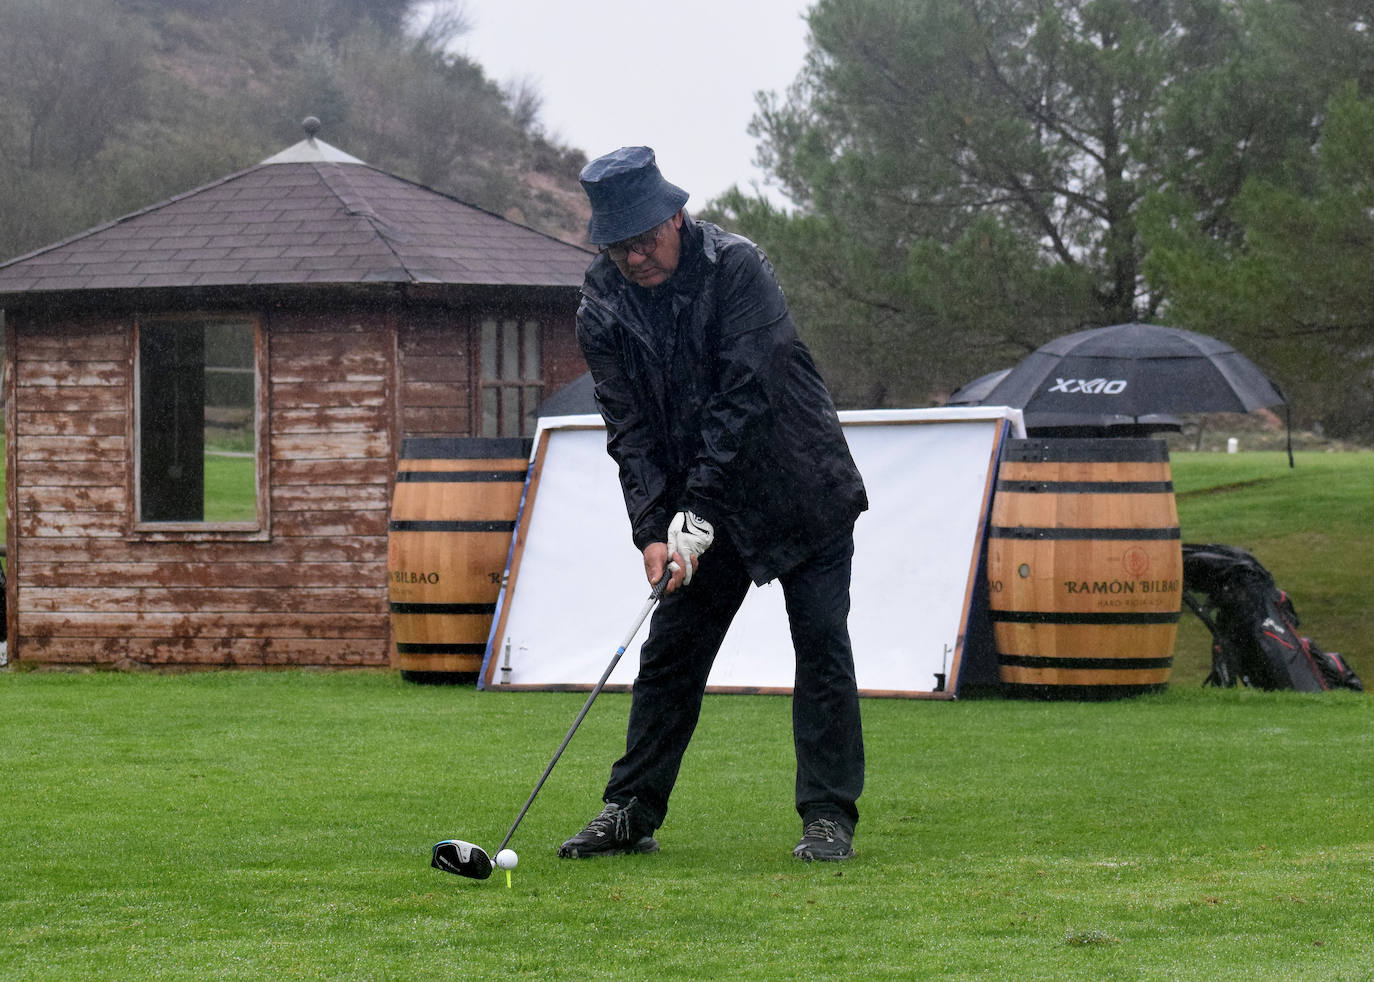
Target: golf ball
pixel 506 859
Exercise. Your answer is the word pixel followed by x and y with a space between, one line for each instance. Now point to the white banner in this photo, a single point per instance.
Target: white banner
pixel 576 581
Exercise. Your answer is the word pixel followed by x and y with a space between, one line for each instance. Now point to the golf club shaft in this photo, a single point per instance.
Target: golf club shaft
pixel 654 598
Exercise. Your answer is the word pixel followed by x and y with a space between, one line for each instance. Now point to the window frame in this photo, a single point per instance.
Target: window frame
pixel 498 351
pixel 260 529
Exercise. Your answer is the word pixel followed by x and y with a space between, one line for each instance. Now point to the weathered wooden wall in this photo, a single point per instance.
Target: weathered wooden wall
pixel 562 358
pixel 90 589
pixel 344 390
pixel 436 375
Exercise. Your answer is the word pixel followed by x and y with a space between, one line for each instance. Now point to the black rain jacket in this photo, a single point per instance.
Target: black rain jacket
pixel 713 404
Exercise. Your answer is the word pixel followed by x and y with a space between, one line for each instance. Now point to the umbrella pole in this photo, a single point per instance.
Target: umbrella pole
pixel 1288 417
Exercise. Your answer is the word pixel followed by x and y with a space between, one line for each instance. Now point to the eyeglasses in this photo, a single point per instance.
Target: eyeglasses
pixel 641 245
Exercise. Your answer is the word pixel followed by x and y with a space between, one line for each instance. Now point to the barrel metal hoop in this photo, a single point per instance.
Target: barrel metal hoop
pixel 448 525
pixel 458 477
pixel 1093 451
pixel 1081 534
pixel 460 609
pixel 447 648
pixel 1085 617
pixel 1082 693
pixel 464 448
pixel 1035 661
pixel 1086 487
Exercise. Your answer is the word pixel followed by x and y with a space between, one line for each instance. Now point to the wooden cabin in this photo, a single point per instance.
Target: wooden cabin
pixel 205 402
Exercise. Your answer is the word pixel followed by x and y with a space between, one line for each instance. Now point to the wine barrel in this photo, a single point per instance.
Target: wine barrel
pixel 1085 568
pixel 452 517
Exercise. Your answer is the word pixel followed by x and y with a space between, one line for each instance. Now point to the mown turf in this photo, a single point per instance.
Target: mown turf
pixel 251 825
pixel 259 825
pixel 1311 525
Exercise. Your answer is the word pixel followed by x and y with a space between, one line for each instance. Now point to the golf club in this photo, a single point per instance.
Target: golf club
pixel 467 859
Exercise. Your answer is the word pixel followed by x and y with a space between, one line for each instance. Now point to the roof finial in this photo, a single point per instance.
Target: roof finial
pixel 311 125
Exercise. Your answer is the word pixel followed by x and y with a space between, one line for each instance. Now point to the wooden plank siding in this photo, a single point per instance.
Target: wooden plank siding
pixel 88 590
pixel 332 399
pixel 437 375
pixel 562 360
pixel 88 586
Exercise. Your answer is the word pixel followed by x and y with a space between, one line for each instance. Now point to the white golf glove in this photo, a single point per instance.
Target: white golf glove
pixel 689 536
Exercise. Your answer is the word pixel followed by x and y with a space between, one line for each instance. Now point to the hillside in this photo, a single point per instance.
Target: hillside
pixel 107 106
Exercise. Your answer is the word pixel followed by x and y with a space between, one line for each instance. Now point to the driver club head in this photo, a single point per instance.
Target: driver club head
pixel 462 858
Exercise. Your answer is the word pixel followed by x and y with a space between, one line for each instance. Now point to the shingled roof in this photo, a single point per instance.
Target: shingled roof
pixel 309 215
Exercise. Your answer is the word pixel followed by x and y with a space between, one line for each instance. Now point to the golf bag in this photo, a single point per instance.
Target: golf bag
pixel 1254 628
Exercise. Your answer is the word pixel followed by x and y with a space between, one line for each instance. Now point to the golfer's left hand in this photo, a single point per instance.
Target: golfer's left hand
pixel 689 535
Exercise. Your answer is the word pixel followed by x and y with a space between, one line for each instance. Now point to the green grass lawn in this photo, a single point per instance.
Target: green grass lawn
pixel 230 489
pixel 249 825
pixel 278 825
pixel 1312 526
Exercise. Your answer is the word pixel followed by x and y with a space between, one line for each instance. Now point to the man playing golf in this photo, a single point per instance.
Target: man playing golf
pixel 734 469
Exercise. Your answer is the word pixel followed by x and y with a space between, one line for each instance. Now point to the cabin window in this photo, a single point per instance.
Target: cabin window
pixel 511 382
pixel 199 426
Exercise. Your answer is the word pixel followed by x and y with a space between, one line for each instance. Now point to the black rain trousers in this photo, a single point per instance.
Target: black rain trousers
pixel 685 634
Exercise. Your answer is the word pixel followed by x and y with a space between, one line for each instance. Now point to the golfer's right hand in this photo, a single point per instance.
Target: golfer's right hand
pixel 656 560
pixel 689 535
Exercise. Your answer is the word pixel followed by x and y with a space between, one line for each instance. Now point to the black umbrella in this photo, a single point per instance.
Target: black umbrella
pixel 574 399
pixel 1074 424
pixel 972 393
pixel 1135 370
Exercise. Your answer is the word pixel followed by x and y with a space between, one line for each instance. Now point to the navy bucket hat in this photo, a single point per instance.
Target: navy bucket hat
pixel 628 195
